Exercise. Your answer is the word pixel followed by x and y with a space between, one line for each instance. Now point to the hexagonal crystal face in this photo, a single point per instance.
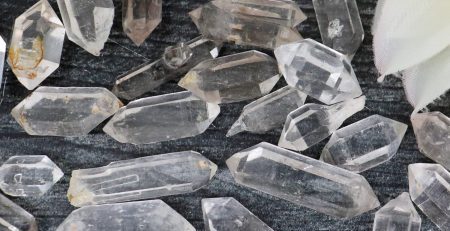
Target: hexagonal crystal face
pixel 140 18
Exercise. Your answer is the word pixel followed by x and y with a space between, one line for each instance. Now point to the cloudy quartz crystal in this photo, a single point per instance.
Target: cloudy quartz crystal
pixel 15 218
pixel 140 18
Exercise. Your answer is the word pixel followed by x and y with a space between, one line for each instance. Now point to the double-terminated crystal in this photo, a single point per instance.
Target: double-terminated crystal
pixel 303 180
pixel 140 18
pixel 36 44
pixel 15 218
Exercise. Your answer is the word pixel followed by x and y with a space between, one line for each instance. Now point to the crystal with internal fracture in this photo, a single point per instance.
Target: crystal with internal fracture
pixel 232 78
pixel 36 44
pixel 141 178
pixel 140 18
pixel 15 218
pixel 364 144
pixel 318 70
pixel 302 180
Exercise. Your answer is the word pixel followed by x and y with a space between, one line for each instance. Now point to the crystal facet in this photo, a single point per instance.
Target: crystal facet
pixel 364 144
pixel 141 178
pixel 268 112
pixel 36 44
pixel 227 214
pixel 15 218
pixel 312 123
pixel 318 70
pixel 153 215
pixel 140 18
pixel 398 214
pixel 2 59
pixel 176 61
pixel 232 78
pixel 65 111
pixel 303 180
pixel 88 23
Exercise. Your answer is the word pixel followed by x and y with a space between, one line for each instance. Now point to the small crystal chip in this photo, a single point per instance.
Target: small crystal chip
pixel 364 144
pixel 303 180
pixel 141 178
pixel 36 44
pixel 232 78
pixel 15 218
pixel 227 214
pixel 153 215
pixel 140 18
pixel 268 112
pixel 318 70
pixel 65 111
pixel 312 123
pixel 398 214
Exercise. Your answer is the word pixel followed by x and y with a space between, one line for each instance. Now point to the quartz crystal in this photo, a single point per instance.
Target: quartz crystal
pixel 65 111
pixel 140 18
pixel 176 61
pixel 340 25
pixel 429 187
pixel 36 44
pixel 317 70
pixel 15 218
pixel 303 180
pixel 268 112
pixel 398 214
pixel 364 144
pixel 227 214
pixel 232 78
pixel 153 215
pixel 2 59
pixel 141 178
pixel 312 123
pixel 88 23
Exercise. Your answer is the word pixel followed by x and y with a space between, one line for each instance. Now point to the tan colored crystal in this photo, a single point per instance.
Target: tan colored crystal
pixel 140 18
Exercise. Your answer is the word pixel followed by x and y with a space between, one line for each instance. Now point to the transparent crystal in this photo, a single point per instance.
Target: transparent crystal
pixel 141 178
pixel 318 70
pixel 153 215
pixel 36 44
pixel 340 25
pixel 176 61
pixel 364 144
pixel 88 23
pixel 227 214
pixel 15 218
pixel 2 59
pixel 140 18
pixel 232 78
pixel 313 123
pixel 302 180
pixel 65 111
pixel 268 112
pixel 398 214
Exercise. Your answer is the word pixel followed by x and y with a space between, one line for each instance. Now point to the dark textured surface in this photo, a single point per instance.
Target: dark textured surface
pixel 79 68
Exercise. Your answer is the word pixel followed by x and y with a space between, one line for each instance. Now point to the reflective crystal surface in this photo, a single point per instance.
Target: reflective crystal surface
pixel 312 123
pixel 176 61
pixel 65 111
pixel 141 178
pixel 268 112
pixel 153 215
pixel 140 18
pixel 227 214
pixel 232 78
pixel 398 214
pixel 2 59
pixel 36 44
pixel 364 144
pixel 318 70
pixel 302 180
pixel 15 218
pixel 88 23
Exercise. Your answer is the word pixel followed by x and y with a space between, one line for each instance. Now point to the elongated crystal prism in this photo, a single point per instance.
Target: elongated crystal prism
pixel 318 70
pixel 15 218
pixel 140 18
pixel 302 180
pixel 36 44
pixel 65 111
pixel 153 215
pixel 232 78
pixel 312 123
pixel 364 144
pixel 268 112
pixel 141 178
pixel 2 59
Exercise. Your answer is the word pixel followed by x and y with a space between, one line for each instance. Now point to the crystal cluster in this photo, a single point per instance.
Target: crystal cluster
pixel 15 218
pixel 2 59
pixel 140 18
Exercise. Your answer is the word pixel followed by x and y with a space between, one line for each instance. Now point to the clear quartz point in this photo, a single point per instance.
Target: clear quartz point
pixel 318 70
pixel 36 44
pixel 15 218
pixel 312 123
pixel 302 180
pixel 140 18
pixel 364 144
pixel 141 178
pixel 2 61
pixel 232 78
